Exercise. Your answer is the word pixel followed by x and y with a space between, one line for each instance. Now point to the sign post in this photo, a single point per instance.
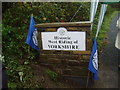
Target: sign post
pixel 65 47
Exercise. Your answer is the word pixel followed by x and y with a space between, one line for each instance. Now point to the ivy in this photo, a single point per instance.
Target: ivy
pixel 15 24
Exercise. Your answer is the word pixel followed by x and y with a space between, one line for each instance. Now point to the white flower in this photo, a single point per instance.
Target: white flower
pixel 2 58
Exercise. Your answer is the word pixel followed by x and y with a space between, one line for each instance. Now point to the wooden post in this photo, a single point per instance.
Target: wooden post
pixel 28 45
pixel 87 79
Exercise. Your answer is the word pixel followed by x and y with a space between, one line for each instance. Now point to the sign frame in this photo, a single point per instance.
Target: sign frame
pixel 64 40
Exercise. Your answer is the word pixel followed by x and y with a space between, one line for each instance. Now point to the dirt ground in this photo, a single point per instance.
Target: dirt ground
pixel 44 80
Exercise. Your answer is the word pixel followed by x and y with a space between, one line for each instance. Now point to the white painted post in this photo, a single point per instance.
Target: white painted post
pixel 93 9
pixel 101 17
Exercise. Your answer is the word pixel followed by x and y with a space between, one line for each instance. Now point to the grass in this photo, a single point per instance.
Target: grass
pixel 52 75
pixel 110 14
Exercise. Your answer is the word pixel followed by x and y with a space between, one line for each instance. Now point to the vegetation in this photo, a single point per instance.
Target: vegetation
pixel 112 10
pixel 52 75
pixel 16 17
